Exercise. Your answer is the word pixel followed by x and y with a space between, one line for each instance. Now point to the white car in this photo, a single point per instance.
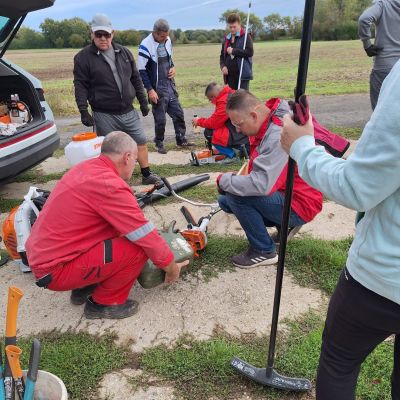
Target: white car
pixel 35 141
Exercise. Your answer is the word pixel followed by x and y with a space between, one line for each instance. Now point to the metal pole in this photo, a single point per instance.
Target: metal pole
pixel 300 89
pixel 244 45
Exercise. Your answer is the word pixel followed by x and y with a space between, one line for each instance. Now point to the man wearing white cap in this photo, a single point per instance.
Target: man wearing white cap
pixel 106 77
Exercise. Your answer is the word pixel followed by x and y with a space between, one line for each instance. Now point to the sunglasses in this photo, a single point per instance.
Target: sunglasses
pixel 99 35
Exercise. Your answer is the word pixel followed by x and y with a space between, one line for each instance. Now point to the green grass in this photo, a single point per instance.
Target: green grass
pixel 335 68
pixel 168 170
pixel 313 262
pixel 6 205
pixel 79 359
pixel 349 133
pixel 317 263
pixel 58 153
pixel 35 176
pixel 200 370
pixel 215 258
pixel 171 146
pixel 202 193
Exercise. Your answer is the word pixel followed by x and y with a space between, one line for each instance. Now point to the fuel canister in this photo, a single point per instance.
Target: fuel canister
pixel 151 276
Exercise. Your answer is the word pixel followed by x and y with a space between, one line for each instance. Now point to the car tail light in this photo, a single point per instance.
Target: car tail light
pixel 9 235
pixel 40 93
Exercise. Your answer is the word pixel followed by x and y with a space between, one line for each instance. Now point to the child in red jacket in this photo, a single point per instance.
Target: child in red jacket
pixel 219 130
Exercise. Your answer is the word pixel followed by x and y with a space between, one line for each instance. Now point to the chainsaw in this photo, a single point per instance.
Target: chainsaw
pixel 195 232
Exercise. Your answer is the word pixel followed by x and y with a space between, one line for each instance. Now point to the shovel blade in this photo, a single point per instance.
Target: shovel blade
pixel 272 379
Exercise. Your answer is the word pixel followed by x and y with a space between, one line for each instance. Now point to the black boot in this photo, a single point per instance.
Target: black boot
pixel 79 296
pixel 94 311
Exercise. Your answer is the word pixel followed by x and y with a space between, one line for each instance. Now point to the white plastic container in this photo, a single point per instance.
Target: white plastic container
pixel 49 387
pixel 83 147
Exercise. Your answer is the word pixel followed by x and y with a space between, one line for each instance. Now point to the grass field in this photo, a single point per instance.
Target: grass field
pixel 335 68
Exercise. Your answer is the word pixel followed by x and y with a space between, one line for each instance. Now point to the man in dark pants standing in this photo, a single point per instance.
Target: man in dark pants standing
pixel 365 307
pixel 105 75
pixel 158 71
pixel 385 15
pixel 232 54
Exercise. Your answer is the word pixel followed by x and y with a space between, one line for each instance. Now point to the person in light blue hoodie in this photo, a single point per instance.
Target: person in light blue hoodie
pixel 365 307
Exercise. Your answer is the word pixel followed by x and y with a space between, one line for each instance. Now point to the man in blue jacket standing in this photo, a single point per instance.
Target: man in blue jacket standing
pixel 385 15
pixel 158 71
pixel 365 307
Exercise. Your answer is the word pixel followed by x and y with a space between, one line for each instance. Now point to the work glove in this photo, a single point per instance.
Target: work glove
pixel 86 118
pixel 144 108
pixel 373 50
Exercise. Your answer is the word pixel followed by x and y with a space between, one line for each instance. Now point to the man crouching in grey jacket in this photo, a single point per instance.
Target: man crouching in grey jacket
pixel 257 198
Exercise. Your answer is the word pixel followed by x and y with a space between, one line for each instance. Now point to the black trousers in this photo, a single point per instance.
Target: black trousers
pixel 357 321
pixel 232 81
pixel 168 103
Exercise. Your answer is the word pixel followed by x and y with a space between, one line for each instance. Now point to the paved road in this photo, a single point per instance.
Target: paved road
pixel 351 111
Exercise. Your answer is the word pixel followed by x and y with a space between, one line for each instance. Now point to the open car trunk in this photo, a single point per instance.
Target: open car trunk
pixel 11 82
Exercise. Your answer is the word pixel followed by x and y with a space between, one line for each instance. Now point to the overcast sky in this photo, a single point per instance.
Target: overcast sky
pixel 141 14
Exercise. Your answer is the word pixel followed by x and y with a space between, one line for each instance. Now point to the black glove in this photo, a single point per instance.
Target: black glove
pixel 86 118
pixel 373 50
pixel 144 108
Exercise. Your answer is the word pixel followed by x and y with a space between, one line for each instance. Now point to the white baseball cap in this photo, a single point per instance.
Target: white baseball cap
pixel 101 22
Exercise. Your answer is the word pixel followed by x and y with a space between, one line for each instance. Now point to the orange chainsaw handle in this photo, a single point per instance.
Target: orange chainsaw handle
pixel 14 297
pixel 13 355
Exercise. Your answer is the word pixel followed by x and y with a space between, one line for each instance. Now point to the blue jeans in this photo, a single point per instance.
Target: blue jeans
pixel 255 213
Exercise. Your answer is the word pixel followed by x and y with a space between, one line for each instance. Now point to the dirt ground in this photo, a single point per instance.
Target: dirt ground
pixel 239 301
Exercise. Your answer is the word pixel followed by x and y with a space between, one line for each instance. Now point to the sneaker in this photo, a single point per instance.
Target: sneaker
pixel 79 296
pixel 98 311
pixel 276 237
pixel 252 258
pixel 185 143
pixel 152 179
pixel 161 149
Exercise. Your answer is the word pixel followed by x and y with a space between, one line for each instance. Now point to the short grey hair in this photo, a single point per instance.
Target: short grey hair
pixel 161 25
pixel 117 142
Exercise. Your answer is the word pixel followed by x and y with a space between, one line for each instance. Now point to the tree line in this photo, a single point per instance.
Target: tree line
pixel 334 20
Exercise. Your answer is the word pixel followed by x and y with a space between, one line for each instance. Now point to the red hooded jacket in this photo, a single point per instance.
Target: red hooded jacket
pixel 217 120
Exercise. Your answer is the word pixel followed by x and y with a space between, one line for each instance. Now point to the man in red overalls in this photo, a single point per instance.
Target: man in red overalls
pixel 92 238
pixel 257 199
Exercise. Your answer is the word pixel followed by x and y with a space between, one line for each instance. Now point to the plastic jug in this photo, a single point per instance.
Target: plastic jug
pixel 151 276
pixel 83 147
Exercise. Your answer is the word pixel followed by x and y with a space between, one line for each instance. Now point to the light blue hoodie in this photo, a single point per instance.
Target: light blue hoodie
pixel 369 180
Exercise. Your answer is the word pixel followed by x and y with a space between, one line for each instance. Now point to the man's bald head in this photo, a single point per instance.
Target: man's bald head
pixel 122 150
pixel 118 142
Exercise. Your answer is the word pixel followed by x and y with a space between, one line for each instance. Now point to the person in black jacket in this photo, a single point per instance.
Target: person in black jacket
pixel 233 55
pixel 106 77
